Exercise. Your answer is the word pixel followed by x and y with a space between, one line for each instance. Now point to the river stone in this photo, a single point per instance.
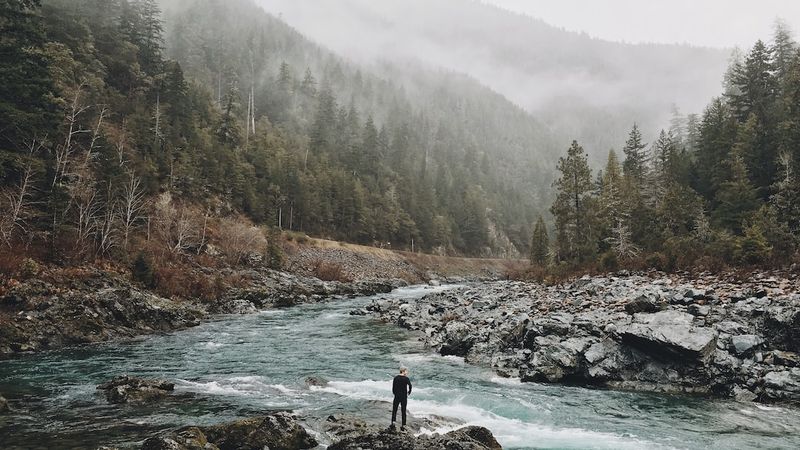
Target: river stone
pixel 467 438
pixel 316 381
pixel 277 431
pixel 783 385
pixel 190 438
pixel 669 334
pixel 4 405
pixel 743 343
pixel 457 339
pixel 642 304
pixel 128 389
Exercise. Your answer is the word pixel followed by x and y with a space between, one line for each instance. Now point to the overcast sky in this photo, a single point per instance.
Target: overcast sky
pixel 714 23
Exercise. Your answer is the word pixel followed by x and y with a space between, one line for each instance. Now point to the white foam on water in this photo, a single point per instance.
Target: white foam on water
pixel 370 389
pixel 271 312
pixel 212 345
pixel 459 360
pixel 510 432
pixel 768 408
pixel 417 358
pixel 506 381
pixel 239 386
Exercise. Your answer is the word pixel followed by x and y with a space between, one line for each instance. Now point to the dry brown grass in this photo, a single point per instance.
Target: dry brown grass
pixel 327 271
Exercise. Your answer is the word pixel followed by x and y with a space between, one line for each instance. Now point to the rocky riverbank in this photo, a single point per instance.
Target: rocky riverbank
pixel 94 305
pixel 711 335
pixel 283 430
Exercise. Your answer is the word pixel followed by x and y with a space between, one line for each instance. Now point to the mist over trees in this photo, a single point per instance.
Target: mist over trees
pixel 712 190
pixel 129 125
pixel 580 87
pixel 147 124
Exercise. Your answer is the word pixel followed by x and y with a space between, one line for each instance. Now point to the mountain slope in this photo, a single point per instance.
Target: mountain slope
pixel 446 146
pixel 584 88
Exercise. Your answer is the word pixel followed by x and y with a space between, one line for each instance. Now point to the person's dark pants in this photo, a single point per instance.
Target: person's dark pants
pixel 403 402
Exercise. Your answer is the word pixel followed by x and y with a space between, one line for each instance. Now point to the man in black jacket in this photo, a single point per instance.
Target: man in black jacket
pixel 399 386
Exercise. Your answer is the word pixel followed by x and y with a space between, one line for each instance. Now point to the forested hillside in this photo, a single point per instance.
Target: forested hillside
pixel 581 87
pixel 115 131
pixel 714 190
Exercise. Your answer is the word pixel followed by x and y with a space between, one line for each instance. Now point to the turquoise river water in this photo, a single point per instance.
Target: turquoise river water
pixel 239 366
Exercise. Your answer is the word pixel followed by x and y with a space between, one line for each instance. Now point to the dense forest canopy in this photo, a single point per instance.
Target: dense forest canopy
pixel 218 105
pixel 129 121
pixel 714 189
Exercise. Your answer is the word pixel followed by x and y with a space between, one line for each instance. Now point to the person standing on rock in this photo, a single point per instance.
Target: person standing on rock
pixel 401 388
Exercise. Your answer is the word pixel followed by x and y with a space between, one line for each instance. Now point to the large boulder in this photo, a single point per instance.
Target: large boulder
pixel 782 328
pixel 128 389
pixel 457 339
pixel 642 304
pixel 467 438
pixel 277 431
pixel 783 385
pixel 558 362
pixel 191 438
pixel 669 334
pixel 743 343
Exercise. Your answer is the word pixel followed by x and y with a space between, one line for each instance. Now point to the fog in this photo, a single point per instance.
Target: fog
pixel 714 23
pixel 582 87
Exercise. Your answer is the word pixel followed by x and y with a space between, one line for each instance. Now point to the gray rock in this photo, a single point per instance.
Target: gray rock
pixel 467 438
pixel 458 339
pixel 744 343
pixel 191 438
pixel 127 389
pixel 783 385
pixel 316 381
pixel 670 334
pixel 4 408
pixel 276 431
pixel 642 304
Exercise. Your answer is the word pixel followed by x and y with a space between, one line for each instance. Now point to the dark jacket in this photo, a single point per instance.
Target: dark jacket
pixel 399 386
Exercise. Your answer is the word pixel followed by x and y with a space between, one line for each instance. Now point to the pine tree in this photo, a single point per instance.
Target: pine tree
pixel 229 131
pixel 717 136
pixel 540 244
pixel 573 208
pixel 784 49
pixel 756 82
pixel 611 200
pixel 635 164
pixel 736 198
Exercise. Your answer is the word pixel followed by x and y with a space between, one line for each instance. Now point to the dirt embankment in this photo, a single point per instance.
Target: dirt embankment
pixel 327 259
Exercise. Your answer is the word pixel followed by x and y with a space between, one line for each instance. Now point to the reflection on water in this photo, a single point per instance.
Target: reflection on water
pixel 242 365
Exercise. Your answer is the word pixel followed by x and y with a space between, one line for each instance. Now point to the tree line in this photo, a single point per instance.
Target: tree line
pixel 712 190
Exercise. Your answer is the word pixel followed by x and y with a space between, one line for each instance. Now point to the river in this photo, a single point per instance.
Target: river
pixel 239 366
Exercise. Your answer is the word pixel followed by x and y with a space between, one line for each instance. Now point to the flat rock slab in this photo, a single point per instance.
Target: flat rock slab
pixel 669 334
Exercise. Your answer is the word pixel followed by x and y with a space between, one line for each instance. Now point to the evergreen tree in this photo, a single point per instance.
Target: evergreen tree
pixel 540 244
pixel 573 208
pixel 635 163
pixel 736 198
pixel 784 49
pixel 611 201
pixel 717 136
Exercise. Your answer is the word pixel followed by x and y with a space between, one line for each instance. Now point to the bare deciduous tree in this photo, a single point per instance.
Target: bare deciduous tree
pixel 176 226
pixel 18 198
pixel 132 206
pixel 106 225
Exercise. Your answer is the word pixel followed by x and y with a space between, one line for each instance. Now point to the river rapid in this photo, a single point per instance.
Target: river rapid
pixel 240 366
